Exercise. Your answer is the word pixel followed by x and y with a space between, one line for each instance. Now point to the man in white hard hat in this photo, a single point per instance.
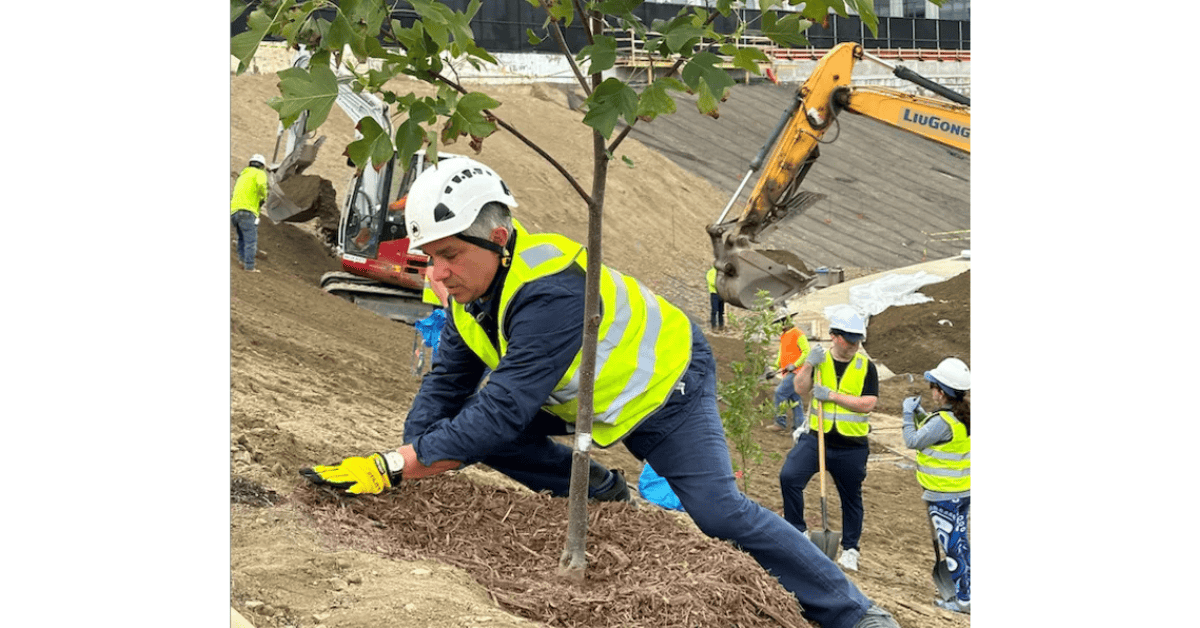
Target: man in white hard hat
pixel 249 192
pixel 517 314
pixel 846 390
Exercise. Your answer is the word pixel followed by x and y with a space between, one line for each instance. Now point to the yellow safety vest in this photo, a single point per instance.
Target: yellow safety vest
pixel 644 343
pixel 946 467
pixel 848 422
pixel 249 191
pixel 711 276
pixel 429 296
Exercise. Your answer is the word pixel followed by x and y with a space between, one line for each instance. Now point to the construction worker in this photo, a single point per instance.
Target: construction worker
pixel 846 390
pixel 249 192
pixel 517 313
pixel 793 349
pixel 716 316
pixel 943 443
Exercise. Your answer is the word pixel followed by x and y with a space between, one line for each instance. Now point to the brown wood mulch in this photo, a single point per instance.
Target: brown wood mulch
pixel 646 568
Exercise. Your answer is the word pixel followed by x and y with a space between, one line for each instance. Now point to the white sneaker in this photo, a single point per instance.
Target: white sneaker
pixel 849 559
pixel 956 605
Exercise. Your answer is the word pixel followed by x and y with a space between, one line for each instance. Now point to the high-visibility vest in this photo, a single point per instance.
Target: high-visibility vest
pixel 644 344
pixel 793 348
pixel 711 276
pixel 946 467
pixel 847 422
pixel 429 296
pixel 249 191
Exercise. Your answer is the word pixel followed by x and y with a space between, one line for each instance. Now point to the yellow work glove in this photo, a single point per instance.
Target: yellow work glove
pixel 359 475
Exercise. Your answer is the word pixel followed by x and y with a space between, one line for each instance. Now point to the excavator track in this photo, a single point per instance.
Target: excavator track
pixel 398 304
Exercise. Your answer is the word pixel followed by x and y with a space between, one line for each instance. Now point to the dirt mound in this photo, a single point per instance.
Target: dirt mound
pixel 914 338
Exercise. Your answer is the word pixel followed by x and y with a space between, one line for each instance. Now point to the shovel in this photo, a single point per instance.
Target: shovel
pixel 825 539
pixel 941 571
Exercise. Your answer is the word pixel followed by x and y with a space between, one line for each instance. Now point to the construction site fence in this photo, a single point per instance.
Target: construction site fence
pixel 501 25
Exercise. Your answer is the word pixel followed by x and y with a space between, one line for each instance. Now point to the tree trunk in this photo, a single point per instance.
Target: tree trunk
pixel 574 559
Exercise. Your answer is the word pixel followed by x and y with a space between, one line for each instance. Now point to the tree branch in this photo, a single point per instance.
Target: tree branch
pixel 612 148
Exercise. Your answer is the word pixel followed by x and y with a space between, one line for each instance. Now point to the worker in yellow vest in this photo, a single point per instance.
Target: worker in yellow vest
pixel 943 443
pixel 249 192
pixel 716 316
pixel 846 391
pixel 507 379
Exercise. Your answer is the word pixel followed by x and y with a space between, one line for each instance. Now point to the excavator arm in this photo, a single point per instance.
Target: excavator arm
pixel 794 147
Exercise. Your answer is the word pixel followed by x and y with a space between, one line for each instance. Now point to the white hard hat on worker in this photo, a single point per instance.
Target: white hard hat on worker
pixel 848 324
pixel 259 160
pixel 952 376
pixel 445 201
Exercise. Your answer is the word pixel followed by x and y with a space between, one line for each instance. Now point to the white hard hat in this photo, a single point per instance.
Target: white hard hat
pixel 445 199
pixel 951 373
pixel 258 158
pixel 848 322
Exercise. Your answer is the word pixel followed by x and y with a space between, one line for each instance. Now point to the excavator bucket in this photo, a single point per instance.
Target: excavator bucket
pixel 743 271
pixel 747 271
pixel 290 198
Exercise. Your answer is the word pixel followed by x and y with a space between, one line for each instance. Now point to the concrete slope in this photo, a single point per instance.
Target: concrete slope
pixel 886 189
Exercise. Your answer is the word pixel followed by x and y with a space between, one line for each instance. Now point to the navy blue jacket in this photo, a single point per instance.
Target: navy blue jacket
pixel 449 420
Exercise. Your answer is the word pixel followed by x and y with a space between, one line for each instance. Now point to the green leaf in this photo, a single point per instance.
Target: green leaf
pixel 339 34
pixel 613 99
pixel 374 145
pixel 746 58
pixel 532 38
pixel 702 75
pixel 313 90
pixel 236 9
pixel 788 32
pixel 866 12
pixel 655 100
pixel 410 137
pixel 681 37
pixel 562 11
pixel 603 54
pixel 258 23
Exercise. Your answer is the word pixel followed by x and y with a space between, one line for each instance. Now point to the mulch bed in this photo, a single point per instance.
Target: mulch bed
pixel 646 567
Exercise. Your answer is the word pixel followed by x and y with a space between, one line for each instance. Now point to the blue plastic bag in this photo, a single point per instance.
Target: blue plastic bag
pixel 655 489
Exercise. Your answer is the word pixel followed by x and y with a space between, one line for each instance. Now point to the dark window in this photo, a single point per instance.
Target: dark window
pixel 914 8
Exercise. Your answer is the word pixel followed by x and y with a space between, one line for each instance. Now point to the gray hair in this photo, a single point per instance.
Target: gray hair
pixel 491 215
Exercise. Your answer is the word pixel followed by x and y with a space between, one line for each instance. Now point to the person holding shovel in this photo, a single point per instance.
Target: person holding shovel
pixel 845 390
pixel 943 443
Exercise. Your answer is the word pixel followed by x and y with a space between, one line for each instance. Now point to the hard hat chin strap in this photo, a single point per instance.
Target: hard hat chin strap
pixel 503 252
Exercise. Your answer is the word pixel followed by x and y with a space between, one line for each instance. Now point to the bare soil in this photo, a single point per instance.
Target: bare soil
pixel 315 379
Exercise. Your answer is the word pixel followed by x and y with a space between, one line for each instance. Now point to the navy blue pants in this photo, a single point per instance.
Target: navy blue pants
pixel 848 467
pixel 685 443
pixel 716 317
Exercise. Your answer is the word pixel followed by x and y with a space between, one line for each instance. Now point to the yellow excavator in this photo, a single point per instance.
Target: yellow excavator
pixel 793 145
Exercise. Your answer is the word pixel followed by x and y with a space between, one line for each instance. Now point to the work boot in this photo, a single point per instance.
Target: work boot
pixel 956 605
pixel 849 559
pixel 617 492
pixel 876 617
